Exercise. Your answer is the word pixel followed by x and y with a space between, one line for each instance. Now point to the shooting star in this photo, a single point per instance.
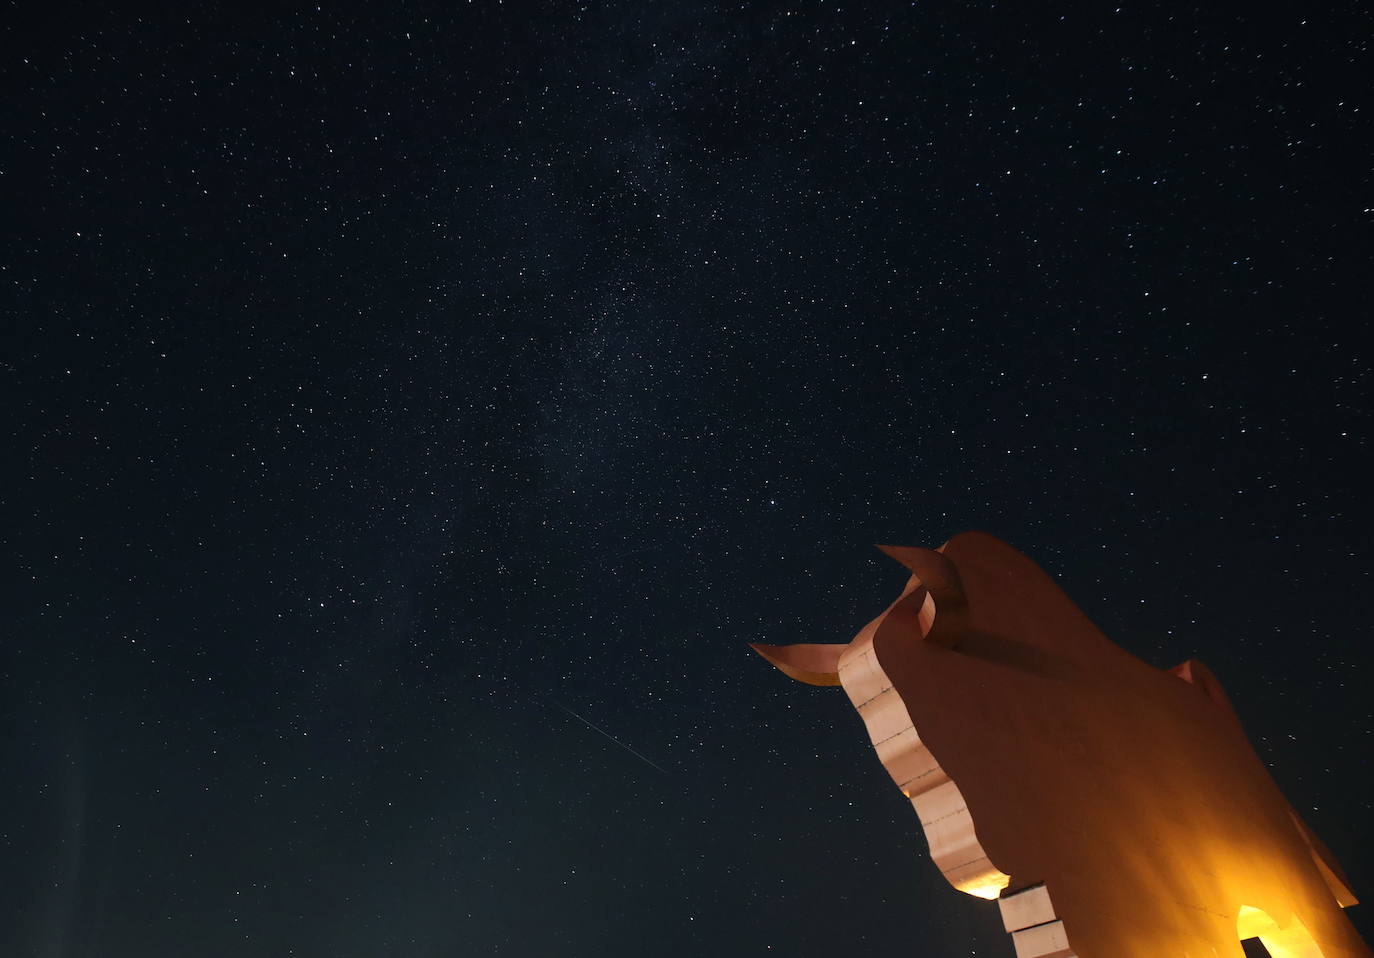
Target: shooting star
pixel 597 728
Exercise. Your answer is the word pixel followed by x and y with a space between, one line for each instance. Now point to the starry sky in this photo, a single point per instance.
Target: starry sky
pixel 413 410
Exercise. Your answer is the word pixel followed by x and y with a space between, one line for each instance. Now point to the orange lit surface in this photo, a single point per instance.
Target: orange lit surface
pixel 1117 810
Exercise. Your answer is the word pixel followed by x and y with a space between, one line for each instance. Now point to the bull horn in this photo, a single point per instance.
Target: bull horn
pixel 814 664
pixel 943 614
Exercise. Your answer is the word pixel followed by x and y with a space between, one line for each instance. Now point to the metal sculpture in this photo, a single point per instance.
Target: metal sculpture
pixel 1112 809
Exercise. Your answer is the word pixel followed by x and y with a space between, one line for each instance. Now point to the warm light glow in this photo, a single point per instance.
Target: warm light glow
pixel 986 886
pixel 1295 941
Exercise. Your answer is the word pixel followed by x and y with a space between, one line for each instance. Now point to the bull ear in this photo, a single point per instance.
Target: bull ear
pixel 943 614
pixel 812 664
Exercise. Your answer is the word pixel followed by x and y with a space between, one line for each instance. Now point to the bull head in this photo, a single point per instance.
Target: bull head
pixel 931 609
pixel 933 602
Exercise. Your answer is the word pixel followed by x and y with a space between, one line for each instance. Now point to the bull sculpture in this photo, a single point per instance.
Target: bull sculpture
pixel 1112 809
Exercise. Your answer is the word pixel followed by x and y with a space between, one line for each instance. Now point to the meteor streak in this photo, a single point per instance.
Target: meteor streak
pixel 599 729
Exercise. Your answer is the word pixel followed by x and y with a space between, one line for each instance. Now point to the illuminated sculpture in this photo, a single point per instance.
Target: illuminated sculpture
pixel 1114 810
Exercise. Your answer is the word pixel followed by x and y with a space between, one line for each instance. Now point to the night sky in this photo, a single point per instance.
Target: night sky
pixel 411 413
